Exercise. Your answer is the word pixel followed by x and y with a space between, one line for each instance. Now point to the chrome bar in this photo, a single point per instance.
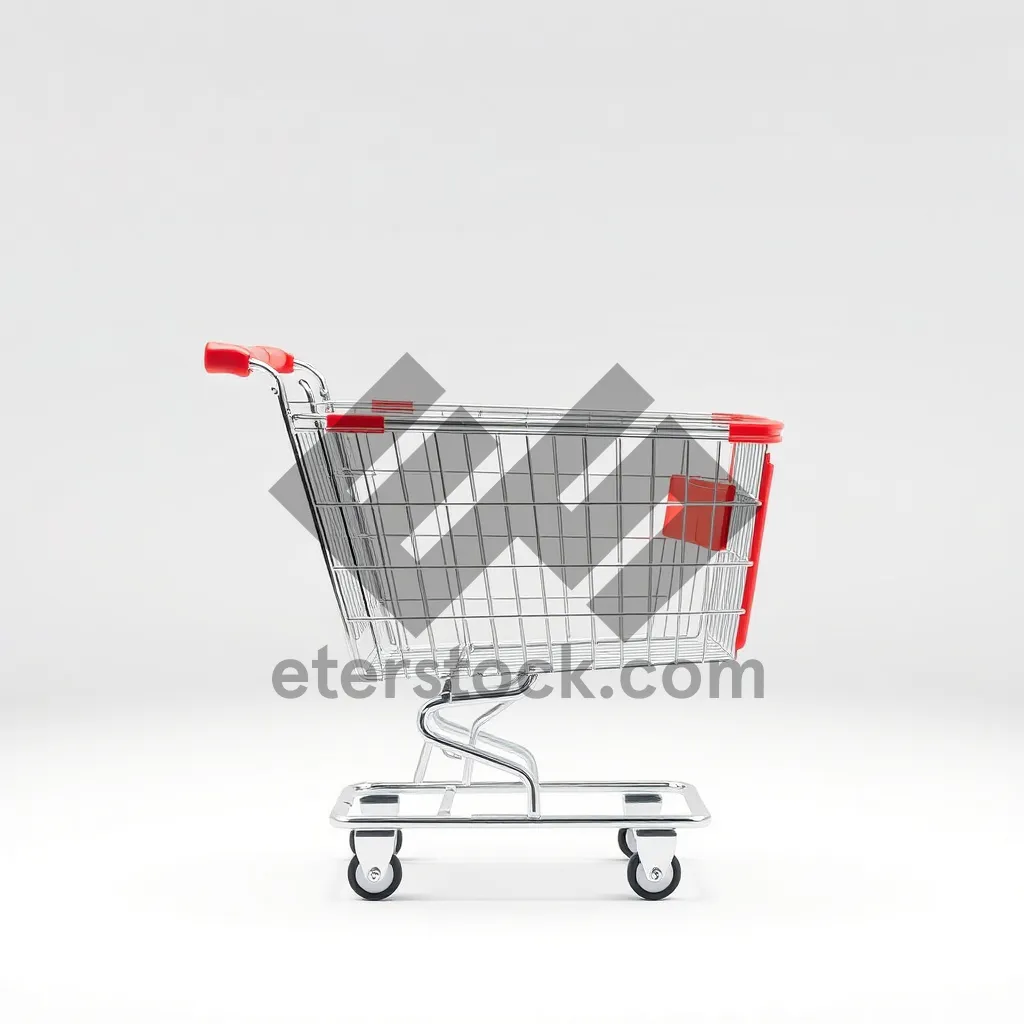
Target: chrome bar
pixel 448 696
pixel 696 815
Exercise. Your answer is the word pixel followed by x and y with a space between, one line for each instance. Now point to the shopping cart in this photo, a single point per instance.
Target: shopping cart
pixel 469 545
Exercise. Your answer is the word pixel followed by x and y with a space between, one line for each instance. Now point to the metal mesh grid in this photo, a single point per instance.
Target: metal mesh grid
pixel 533 536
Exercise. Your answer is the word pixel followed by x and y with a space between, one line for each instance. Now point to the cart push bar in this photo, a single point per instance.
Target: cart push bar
pixel 341 456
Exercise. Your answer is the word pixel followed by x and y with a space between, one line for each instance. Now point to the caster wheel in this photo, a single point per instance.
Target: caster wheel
pixel 650 889
pixel 352 841
pixel 377 888
pixel 627 842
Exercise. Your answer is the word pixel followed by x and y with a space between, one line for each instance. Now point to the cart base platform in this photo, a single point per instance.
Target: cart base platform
pixel 646 833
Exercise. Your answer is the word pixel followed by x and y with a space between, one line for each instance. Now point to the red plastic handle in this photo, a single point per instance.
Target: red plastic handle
pixel 283 362
pixel 221 358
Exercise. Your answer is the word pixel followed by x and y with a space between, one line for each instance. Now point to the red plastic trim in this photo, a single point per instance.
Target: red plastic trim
pixel 387 405
pixel 756 429
pixel 221 358
pixel 354 423
pixel 755 551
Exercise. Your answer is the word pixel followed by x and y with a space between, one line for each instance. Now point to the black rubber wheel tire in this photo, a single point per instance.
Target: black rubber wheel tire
pixel 352 841
pixel 634 870
pixel 353 880
pixel 624 843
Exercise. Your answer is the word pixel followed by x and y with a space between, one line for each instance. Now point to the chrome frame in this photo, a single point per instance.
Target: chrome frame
pixel 342 816
pixel 356 806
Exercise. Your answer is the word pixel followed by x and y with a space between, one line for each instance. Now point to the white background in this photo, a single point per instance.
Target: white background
pixel 811 211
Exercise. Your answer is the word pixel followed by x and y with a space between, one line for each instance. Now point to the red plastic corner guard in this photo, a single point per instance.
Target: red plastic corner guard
pixel 755 551
pixel 755 429
pixel 354 423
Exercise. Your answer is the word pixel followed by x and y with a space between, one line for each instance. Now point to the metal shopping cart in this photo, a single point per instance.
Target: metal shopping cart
pixel 483 544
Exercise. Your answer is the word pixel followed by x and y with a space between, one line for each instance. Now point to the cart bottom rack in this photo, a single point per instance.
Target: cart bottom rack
pixel 646 834
pixel 373 812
